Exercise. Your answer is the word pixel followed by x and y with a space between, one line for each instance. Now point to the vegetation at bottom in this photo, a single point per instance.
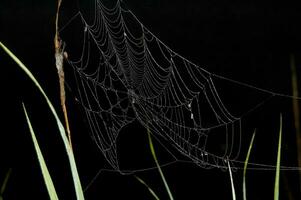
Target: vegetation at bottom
pixel 73 167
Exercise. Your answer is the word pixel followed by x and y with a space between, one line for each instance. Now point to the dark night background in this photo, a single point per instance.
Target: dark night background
pixel 248 41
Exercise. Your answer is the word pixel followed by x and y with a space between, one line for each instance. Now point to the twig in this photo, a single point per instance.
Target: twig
pixel 59 60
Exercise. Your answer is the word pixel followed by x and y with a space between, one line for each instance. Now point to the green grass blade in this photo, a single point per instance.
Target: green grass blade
pixel 4 184
pixel 47 178
pixel 277 178
pixel 76 180
pixel 149 189
pixel 158 166
pixel 245 167
pixel 232 182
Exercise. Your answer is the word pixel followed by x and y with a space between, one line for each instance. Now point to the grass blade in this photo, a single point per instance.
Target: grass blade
pixel 296 111
pixel 245 167
pixel 158 166
pixel 47 178
pixel 149 189
pixel 232 183
pixel 276 188
pixel 4 184
pixel 76 180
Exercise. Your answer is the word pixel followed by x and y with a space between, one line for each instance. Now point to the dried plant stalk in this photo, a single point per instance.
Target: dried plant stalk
pixel 59 61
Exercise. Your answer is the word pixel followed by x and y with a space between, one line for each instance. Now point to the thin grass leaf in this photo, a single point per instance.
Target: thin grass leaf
pixel 4 184
pixel 76 180
pixel 158 166
pixel 277 178
pixel 232 183
pixel 149 189
pixel 296 111
pixel 245 167
pixel 47 178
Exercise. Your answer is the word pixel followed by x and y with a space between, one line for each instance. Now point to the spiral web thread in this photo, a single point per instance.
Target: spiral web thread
pixel 133 76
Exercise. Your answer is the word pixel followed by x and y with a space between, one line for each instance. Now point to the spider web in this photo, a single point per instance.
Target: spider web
pixel 126 74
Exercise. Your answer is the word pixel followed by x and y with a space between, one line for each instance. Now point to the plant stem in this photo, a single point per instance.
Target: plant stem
pixel 296 112
pixel 277 176
pixel 59 61
pixel 245 167
pixel 4 184
pixel 157 164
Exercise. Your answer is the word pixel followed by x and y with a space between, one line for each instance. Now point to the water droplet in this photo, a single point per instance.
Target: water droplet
pixel 124 34
pixel 191 116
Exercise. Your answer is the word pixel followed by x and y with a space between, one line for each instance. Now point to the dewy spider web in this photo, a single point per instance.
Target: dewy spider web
pixel 132 75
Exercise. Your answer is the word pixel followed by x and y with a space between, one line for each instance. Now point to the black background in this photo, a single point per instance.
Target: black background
pixel 247 41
